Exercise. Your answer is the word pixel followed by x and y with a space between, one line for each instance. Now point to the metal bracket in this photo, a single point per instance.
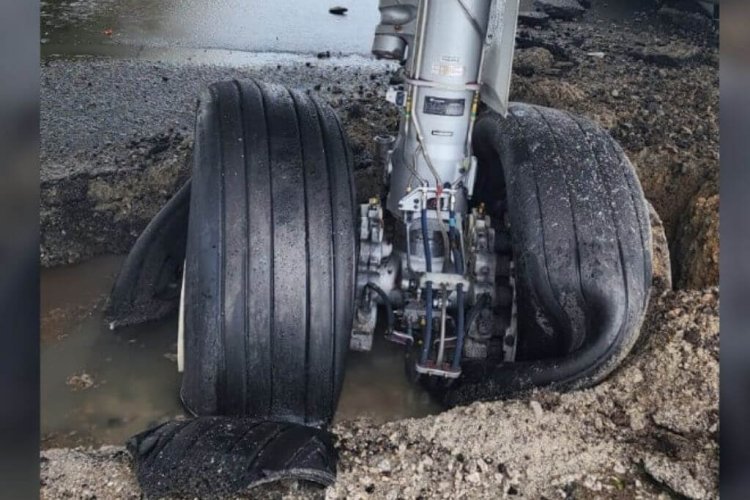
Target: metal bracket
pixel 396 94
pixel 445 372
pixel 419 198
pixel 482 259
pixel 449 281
pixel 498 55
pixel 363 329
pixel 374 265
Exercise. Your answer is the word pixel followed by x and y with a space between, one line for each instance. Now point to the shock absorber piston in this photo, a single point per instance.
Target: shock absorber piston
pixel 442 85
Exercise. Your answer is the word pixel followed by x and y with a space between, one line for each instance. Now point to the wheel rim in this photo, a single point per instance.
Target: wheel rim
pixel 181 326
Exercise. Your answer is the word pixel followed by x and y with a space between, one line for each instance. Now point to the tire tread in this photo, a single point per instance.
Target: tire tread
pixel 285 249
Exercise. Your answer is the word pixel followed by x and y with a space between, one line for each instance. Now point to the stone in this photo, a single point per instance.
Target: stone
pixel 80 382
pixel 560 9
pixel 674 476
pixel 691 22
pixel 671 55
pixel 528 62
pixel 536 407
pixel 533 18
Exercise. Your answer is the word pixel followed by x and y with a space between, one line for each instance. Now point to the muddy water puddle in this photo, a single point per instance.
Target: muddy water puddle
pixel 101 387
pixel 175 30
pixel 306 26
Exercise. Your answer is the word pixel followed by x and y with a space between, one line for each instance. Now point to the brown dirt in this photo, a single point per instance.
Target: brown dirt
pixel 92 213
pixel 698 243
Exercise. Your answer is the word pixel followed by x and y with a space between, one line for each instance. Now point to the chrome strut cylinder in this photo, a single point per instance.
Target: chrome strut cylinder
pixel 440 97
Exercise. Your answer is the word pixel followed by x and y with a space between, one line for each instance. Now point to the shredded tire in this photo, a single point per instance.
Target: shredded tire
pixel 582 248
pixel 218 457
pixel 148 285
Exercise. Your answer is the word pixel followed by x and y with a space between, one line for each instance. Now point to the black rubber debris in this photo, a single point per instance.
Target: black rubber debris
pixel 148 286
pixel 338 11
pixel 221 456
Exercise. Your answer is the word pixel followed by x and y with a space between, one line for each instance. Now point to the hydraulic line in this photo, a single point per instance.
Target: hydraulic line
pixel 416 66
pixel 422 16
pixel 460 330
pixel 428 291
pixel 443 317
pixel 441 225
pixel 456 249
pixel 386 301
pixel 408 223
pixel 426 242
pixel 406 339
pixel 473 119
pixel 460 312
pixel 413 169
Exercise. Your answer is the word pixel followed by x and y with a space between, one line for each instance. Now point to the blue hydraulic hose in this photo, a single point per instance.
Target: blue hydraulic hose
pixel 384 299
pixel 458 256
pixel 428 291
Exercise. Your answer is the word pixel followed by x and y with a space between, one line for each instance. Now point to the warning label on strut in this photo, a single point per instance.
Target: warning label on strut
pixel 448 66
pixel 444 107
